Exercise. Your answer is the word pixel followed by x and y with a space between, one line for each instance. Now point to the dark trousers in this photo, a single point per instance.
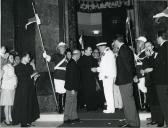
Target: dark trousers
pixel 162 92
pixel 61 102
pixel 130 111
pixel 90 99
pixel 70 112
pixel 156 114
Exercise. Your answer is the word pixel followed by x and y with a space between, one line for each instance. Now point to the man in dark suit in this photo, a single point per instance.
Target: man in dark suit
pixel 161 73
pixel 72 81
pixel 125 74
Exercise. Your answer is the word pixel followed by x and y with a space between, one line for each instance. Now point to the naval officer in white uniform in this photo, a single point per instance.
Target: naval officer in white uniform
pixel 107 73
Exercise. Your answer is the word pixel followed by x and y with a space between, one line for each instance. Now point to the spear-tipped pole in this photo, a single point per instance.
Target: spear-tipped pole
pixel 130 33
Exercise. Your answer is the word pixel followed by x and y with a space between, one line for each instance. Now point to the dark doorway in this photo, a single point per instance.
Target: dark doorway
pixel 113 22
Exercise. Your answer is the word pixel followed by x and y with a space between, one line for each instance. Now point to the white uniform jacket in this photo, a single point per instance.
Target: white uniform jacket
pixel 107 67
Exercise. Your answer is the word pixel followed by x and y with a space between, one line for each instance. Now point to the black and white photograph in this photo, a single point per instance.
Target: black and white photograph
pixel 84 63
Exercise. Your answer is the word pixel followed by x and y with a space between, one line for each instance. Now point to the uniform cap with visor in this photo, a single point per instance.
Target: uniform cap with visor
pixel 142 38
pixel 101 44
pixel 61 44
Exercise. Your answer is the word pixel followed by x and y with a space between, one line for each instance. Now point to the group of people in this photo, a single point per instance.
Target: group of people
pixel 82 73
pixel 152 69
pixel 114 71
pixel 90 79
pixel 18 93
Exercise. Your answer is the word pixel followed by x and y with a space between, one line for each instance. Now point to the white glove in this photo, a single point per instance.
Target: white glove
pixel 98 69
pixel 73 92
pixel 141 85
pixel 44 54
pixel 94 69
pixel 37 19
pixel 47 57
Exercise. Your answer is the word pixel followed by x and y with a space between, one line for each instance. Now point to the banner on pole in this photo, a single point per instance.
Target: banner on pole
pixel 33 20
pixel 164 13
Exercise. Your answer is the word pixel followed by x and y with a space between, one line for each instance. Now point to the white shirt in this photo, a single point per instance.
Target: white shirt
pixel 107 67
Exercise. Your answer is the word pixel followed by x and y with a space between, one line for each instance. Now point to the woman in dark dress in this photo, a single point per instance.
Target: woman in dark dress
pixel 26 108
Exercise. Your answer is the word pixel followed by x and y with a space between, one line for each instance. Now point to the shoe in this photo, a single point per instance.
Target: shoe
pixel 108 111
pixel 160 125
pixel 60 111
pixel 149 119
pixel 124 125
pixel 31 125
pixel 7 123
pixel 122 120
pixel 15 123
pixel 25 125
pixel 76 120
pixel 67 121
pixel 151 123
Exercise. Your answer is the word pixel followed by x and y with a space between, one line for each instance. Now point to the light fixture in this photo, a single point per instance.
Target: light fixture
pixel 96 32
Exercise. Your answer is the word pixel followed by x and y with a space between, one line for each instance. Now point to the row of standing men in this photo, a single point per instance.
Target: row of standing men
pixel 83 71
pixel 68 76
pixel 120 71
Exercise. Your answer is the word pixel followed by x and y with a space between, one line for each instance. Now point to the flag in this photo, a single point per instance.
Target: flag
pixel 81 42
pixel 32 20
pixel 164 13
pixel 129 34
pixel 127 28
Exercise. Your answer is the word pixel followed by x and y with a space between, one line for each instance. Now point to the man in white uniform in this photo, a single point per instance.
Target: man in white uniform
pixel 107 73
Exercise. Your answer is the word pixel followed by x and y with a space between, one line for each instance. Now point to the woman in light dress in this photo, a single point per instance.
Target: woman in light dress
pixel 9 83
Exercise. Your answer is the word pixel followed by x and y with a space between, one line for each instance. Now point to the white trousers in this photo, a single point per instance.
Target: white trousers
pixel 141 85
pixel 108 86
pixel 59 86
pixel 117 97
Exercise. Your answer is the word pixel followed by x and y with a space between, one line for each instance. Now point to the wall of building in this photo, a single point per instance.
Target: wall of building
pixel 58 23
pixel 7 23
pixel 48 12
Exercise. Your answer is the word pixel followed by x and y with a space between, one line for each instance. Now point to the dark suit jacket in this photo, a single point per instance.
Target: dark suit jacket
pixel 125 66
pixel 72 77
pixel 160 71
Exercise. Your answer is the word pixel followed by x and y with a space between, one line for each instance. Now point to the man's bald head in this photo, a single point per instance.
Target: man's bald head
pixel 76 54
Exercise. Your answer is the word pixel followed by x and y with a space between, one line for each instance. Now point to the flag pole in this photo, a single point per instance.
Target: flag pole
pixel 130 33
pixel 42 43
